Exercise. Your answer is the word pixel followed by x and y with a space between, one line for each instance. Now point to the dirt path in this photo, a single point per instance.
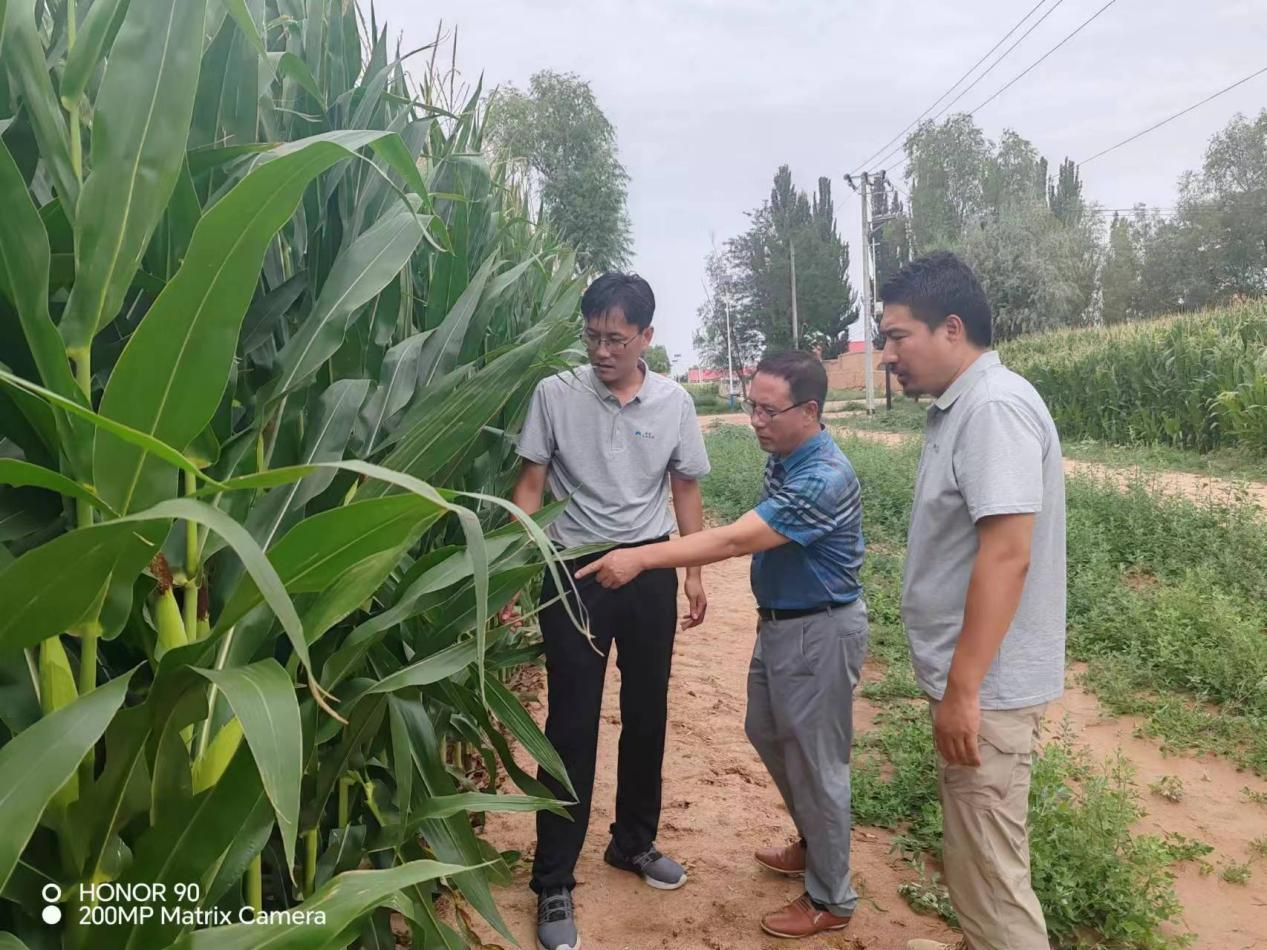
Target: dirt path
pixel 1200 488
pixel 719 805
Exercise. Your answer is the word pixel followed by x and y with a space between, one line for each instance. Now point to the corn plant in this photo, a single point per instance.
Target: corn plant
pixel 1193 381
pixel 259 294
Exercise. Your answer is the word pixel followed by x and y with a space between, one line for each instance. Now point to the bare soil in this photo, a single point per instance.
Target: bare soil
pixel 719 806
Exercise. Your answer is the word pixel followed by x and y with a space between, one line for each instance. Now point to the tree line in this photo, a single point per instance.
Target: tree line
pixel 1047 257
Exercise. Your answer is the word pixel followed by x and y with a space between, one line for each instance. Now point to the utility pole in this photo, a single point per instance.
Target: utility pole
pixel 867 345
pixel 796 335
pixel 869 223
pixel 730 363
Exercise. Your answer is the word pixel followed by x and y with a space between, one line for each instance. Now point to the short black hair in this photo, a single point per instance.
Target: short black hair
pixel 937 285
pixel 803 372
pixel 628 292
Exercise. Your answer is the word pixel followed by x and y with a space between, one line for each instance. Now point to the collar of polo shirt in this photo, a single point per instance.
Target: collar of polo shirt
pixel 966 379
pixel 604 393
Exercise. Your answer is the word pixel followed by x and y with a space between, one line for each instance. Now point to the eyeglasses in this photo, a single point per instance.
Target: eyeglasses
pixel 763 412
pixel 594 341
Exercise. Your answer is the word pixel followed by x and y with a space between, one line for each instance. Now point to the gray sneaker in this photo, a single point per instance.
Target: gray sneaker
pixel 556 920
pixel 660 872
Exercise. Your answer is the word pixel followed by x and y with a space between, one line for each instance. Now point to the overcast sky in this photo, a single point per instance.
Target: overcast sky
pixel 709 97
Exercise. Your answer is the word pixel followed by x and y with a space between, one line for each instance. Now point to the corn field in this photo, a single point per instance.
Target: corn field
pixel 259 293
pixel 1195 381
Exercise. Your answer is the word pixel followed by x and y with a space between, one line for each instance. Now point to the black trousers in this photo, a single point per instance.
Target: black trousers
pixel 641 619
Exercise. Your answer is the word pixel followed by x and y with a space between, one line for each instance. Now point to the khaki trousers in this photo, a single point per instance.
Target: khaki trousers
pixel 985 842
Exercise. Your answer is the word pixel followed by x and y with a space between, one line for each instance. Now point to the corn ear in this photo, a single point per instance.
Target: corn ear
pixel 169 622
pixel 212 763
pixel 57 689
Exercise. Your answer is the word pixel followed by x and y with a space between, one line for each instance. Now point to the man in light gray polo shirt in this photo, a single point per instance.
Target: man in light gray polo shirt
pixel 615 439
pixel 983 597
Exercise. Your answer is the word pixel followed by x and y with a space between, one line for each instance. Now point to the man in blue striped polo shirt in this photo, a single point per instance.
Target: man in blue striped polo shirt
pixel 805 536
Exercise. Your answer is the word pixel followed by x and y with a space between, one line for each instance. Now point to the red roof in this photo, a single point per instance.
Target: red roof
pixel 698 375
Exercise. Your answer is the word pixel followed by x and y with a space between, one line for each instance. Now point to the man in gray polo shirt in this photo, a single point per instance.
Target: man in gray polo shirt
pixel 615 439
pixel 983 597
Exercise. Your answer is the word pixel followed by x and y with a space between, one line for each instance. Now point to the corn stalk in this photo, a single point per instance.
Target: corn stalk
pixel 260 293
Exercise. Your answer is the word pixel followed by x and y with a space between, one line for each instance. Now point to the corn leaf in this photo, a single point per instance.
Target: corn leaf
pixel 16 472
pixel 39 760
pixel 97 31
pixel 42 598
pixel 264 577
pixel 24 266
pixel 169 379
pixel 318 549
pixel 440 354
pixel 140 124
pixel 356 277
pixel 23 58
pixel 450 839
pixel 522 726
pixel 262 696
pixel 343 902
pixel 188 840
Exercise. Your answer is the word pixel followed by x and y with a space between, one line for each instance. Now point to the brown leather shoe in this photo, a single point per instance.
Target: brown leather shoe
pixel 789 860
pixel 801 919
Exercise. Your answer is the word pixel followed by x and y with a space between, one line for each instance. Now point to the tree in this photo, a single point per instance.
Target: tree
pixel 1226 207
pixel 760 261
pixel 657 359
pixel 569 148
pixel 892 237
pixel 1065 197
pixel 946 168
pixel 1120 281
pixel 1214 247
pixel 1037 272
pixel 1029 241
pixel 1015 175
pixel 746 338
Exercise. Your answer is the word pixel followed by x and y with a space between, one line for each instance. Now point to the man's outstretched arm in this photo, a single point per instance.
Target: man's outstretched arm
pixel 746 536
pixel 688 506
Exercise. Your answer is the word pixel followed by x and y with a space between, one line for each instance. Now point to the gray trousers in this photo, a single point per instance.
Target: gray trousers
pixel 800 720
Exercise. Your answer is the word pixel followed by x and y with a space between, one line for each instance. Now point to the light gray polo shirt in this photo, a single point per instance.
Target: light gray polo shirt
pixel 990 448
pixel 614 461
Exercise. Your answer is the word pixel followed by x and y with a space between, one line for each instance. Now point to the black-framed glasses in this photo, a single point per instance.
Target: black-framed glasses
pixel 763 412
pixel 595 341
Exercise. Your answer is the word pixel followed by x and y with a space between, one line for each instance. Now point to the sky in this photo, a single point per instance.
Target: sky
pixel 709 97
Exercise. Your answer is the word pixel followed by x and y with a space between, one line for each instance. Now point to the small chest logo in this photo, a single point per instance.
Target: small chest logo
pixel 643 434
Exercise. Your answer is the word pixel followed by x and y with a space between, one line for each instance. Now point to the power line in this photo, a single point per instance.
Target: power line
pixel 1159 210
pixel 989 69
pixel 895 138
pixel 1018 42
pixel 1085 23
pixel 1151 128
pixel 1015 79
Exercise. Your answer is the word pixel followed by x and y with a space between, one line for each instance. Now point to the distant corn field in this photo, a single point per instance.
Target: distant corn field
pixel 1196 381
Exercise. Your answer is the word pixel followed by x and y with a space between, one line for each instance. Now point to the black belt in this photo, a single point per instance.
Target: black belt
pixel 790 613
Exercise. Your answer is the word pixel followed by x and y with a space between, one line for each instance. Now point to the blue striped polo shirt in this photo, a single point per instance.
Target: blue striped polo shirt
pixel 812 498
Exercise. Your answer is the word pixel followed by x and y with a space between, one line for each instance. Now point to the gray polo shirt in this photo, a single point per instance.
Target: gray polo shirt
pixel 990 448
pixel 614 461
